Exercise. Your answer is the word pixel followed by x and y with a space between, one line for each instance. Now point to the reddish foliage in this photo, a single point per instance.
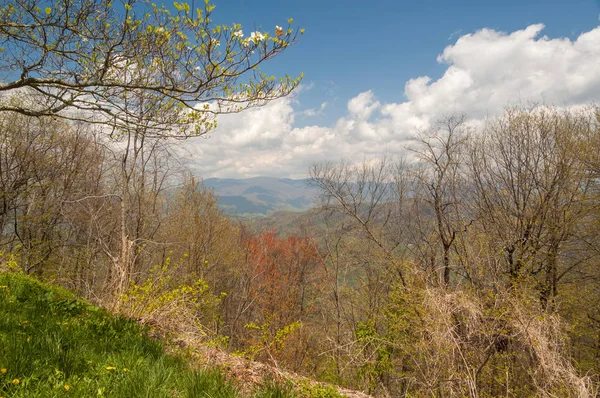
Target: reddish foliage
pixel 283 273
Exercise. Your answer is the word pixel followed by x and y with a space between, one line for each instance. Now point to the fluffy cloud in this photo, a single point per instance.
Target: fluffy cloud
pixel 486 71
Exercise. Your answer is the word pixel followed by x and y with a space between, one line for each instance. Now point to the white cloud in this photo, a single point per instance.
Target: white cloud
pixel 486 71
pixel 315 112
pixel 362 106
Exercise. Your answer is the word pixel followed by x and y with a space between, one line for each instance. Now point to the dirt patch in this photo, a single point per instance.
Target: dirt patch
pixel 248 374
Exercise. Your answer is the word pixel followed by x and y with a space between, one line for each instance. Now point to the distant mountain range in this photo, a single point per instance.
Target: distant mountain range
pixel 261 196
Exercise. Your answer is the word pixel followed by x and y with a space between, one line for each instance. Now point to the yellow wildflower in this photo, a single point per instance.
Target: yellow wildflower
pixel 67 387
pixel 110 368
pixel 3 370
pixel 16 381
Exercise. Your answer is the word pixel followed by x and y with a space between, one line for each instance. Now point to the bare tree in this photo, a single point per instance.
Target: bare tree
pixel 369 194
pixel 439 186
pixel 44 165
pixel 531 191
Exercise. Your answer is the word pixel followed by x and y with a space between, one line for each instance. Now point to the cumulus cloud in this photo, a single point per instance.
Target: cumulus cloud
pixel 486 71
pixel 362 106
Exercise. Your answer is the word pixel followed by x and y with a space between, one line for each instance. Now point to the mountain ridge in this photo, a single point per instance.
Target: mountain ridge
pixel 262 196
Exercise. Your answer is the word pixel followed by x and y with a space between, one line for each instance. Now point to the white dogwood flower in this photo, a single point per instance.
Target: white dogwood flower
pixel 257 37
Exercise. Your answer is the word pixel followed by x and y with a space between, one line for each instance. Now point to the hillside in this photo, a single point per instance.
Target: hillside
pixel 261 196
pixel 53 344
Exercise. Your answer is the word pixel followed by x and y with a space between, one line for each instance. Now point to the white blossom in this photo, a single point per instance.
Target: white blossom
pixel 257 37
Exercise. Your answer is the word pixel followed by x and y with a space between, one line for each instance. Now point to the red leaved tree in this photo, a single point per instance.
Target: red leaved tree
pixel 283 275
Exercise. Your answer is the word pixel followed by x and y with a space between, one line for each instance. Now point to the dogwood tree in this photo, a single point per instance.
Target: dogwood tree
pixel 143 72
pixel 132 63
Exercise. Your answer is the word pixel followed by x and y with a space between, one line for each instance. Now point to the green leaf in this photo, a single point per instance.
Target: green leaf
pixel 48 10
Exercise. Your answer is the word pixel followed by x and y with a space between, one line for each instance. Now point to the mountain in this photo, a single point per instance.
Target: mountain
pixel 261 196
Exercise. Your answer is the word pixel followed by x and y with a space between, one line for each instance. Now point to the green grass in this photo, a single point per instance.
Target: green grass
pixel 54 345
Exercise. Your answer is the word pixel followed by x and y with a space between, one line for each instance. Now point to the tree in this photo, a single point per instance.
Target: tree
pixel 141 70
pixel 85 60
pixel 282 279
pixel 439 187
pixel 44 164
pixel 143 169
pixel 371 197
pixel 365 212
pixel 531 192
pixel 196 228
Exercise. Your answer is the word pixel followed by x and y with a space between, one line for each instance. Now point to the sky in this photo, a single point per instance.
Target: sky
pixel 377 72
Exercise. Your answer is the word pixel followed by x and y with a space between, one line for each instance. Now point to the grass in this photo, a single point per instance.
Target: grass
pixel 54 345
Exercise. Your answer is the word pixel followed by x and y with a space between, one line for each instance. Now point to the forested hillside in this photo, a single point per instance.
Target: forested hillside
pixel 470 268
pixel 464 264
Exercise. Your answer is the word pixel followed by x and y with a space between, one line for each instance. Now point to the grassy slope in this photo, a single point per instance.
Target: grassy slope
pixel 53 345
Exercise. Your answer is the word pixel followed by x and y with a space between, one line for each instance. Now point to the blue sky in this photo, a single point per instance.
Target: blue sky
pixel 369 51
